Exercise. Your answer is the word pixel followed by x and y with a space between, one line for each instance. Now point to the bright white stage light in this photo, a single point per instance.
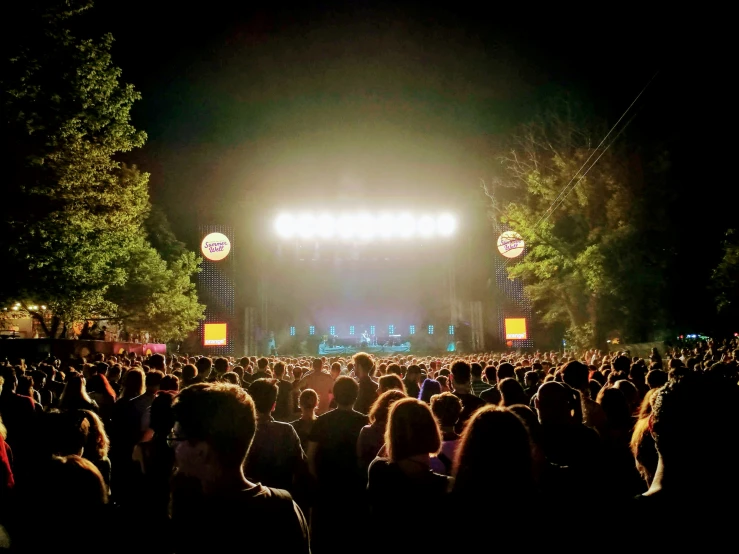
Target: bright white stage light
pixel 285 226
pixel 306 226
pixel 426 226
pixel 384 225
pixel 345 227
pixel 405 226
pixel 326 226
pixel 365 226
pixel 446 225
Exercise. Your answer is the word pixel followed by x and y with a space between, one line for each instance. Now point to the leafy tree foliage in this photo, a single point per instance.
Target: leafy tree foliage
pixel 726 278
pixel 160 235
pixel 589 263
pixel 158 296
pixel 75 215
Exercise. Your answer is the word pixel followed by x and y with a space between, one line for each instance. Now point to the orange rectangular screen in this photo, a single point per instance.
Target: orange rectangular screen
pixel 215 334
pixel 515 329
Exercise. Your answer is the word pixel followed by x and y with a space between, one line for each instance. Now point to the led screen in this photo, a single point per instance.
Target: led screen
pixel 215 334
pixel 515 329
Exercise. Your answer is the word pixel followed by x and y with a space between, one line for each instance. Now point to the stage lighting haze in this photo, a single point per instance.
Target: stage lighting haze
pixel 405 226
pixel 385 226
pixel 326 226
pixel 345 227
pixel 426 226
pixel 285 226
pixel 306 226
pixel 446 225
pixel 366 226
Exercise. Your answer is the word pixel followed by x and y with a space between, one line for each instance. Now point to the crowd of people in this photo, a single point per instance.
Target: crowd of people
pixel 362 454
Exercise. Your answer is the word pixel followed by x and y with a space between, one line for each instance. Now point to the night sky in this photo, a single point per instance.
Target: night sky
pixel 253 109
pixel 327 102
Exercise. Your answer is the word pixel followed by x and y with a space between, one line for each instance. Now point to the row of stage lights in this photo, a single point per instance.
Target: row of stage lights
pixel 391 330
pixel 365 226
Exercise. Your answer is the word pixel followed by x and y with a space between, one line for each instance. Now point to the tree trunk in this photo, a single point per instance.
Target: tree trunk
pixel 40 319
pixel 54 326
pixel 594 321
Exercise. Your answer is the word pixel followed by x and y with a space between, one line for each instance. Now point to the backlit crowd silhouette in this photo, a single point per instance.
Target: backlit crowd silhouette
pixel 575 450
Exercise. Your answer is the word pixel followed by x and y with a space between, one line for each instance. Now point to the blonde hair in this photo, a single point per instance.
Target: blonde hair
pixel 97 439
pixel 411 430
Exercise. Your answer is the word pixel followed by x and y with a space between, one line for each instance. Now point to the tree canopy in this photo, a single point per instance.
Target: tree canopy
pixel 73 228
pixel 726 278
pixel 586 266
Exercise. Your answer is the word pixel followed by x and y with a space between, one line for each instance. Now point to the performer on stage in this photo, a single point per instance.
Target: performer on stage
pixel 365 339
pixel 271 344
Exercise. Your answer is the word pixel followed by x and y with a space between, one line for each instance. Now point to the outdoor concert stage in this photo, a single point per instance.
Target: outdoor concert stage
pixel 417 277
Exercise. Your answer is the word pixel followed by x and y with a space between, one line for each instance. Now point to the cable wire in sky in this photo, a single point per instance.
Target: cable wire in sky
pixel 565 192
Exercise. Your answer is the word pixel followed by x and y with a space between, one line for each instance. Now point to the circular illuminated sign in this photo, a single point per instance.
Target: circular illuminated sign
pixel 510 244
pixel 215 246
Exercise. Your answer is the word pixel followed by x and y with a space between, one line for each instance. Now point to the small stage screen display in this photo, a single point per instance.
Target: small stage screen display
pixel 215 334
pixel 515 329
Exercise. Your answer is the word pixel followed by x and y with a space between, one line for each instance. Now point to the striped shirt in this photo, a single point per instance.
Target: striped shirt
pixel 478 386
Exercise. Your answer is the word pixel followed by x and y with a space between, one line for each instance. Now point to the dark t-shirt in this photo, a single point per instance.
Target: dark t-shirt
pixel 388 484
pixel 366 396
pixel 371 440
pixel 302 428
pixel 336 433
pixel 470 403
pixel 275 455
pixel 270 514
pixel 412 388
pixel 574 461
pixel 17 413
pixel 491 396
pixel 284 405
pixel 681 521
pixel 390 490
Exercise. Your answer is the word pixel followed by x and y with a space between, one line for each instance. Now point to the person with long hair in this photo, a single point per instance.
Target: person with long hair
pixel 133 384
pixel 403 482
pixel 102 394
pixel 494 459
pixel 372 436
pixel 71 485
pixel 75 395
pixel 642 441
pixel 97 445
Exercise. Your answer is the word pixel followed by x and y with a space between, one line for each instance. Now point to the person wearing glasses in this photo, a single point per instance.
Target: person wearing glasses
pixel 214 427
